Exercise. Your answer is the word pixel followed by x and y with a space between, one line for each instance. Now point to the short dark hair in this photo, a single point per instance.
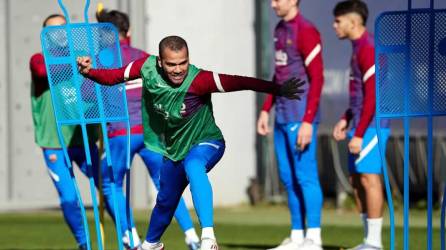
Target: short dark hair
pixel 51 17
pixel 119 19
pixel 174 43
pixel 352 6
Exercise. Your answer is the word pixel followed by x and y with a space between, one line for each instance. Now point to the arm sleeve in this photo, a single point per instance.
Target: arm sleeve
pixel 348 115
pixel 268 103
pixel 208 82
pixel 37 66
pixel 366 58
pixel 131 71
pixel 269 100
pixel 310 47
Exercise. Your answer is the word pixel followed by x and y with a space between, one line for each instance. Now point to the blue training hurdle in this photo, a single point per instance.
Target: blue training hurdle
pixel 79 101
pixel 411 83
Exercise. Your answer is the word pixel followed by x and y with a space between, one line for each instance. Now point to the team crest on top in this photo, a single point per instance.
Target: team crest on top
pixel 281 58
pixel 160 110
pixel 183 109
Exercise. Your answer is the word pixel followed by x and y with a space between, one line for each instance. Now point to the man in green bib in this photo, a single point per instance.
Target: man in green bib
pixel 179 123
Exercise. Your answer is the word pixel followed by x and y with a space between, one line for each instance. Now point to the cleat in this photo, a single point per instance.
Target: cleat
pixel 309 244
pixel 287 244
pixel 192 245
pixel 365 246
pixel 208 244
pixel 136 241
pixel 159 246
pixel 127 247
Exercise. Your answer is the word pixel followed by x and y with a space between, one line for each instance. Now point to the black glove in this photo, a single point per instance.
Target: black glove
pixel 291 88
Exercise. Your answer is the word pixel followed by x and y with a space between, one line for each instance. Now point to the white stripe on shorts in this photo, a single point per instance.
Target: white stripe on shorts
pixel 209 144
pixel 367 149
pixel 54 176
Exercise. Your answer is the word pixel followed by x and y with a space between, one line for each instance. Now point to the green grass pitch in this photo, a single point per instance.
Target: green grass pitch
pixel 241 228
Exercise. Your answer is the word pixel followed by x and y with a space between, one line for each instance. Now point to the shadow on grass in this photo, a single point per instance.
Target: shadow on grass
pixel 265 246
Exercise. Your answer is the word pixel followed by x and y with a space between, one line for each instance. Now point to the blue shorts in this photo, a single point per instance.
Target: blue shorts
pixel 369 160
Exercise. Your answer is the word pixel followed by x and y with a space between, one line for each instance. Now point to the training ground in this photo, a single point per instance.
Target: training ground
pixel 241 228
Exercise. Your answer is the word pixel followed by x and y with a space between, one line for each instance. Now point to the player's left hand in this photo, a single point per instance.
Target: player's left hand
pixel 262 123
pixel 304 135
pixel 355 145
pixel 291 88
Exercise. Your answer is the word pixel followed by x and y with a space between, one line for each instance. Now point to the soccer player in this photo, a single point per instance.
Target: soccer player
pixel 118 140
pixel 298 53
pixel 179 123
pixel 364 157
pixel 46 137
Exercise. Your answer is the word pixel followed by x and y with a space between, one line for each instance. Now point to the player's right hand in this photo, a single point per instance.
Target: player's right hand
pixel 83 64
pixel 262 123
pixel 340 130
pixel 291 88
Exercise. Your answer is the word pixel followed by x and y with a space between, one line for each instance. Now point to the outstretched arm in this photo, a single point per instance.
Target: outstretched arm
pixel 208 82
pixel 110 76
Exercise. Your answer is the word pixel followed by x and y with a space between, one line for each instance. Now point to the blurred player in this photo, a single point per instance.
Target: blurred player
pixel 364 159
pixel 298 53
pixel 118 140
pixel 179 123
pixel 46 137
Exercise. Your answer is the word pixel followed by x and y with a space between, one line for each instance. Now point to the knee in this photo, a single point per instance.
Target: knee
pixel 307 179
pixel 196 172
pixel 355 181
pixel 369 181
pixel 166 202
pixel 67 192
pixel 106 187
pixel 107 181
pixel 198 179
pixel 286 181
pixel 108 191
pixel 69 202
pixel 156 183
